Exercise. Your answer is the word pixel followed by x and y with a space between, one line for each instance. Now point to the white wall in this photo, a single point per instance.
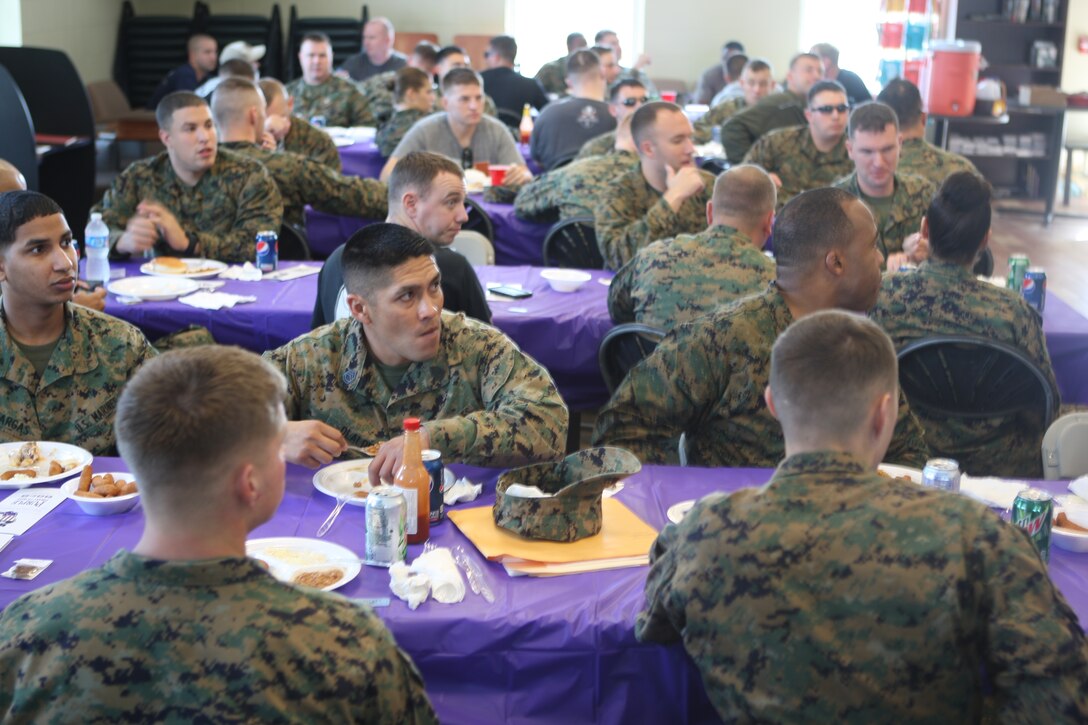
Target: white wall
pixel 1075 66
pixel 85 29
pixel 11 23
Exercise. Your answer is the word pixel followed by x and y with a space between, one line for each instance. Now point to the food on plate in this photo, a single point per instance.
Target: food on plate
pixel 908 479
pixel 55 468
pixel 27 455
pixel 1063 522
pixel 85 479
pixel 20 472
pixel 318 579
pixel 296 557
pixel 362 494
pixel 104 486
pixel 169 265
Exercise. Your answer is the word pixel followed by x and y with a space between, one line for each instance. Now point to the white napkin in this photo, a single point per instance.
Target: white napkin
pixel 215 300
pixel 461 491
pixel 433 572
pixel 412 588
pixel 1079 486
pixel 994 492
pixel 247 272
pixel 520 490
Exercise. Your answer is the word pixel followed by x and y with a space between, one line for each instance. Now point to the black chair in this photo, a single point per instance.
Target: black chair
pixel 714 165
pixel 148 47
pixel 623 347
pixel 253 29
pixel 563 161
pixel 293 244
pixel 985 264
pixel 573 243
pixel 510 118
pixel 478 220
pixel 345 34
pixel 17 141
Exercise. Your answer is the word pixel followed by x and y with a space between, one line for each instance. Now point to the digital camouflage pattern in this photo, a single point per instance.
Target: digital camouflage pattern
pixel 631 214
pixel 941 298
pixel 302 181
pixel 75 398
pixel 215 640
pixel 792 154
pixel 910 202
pixel 573 190
pixel 706 379
pixel 378 92
pixel 553 76
pixel 921 158
pixel 704 126
pixel 676 280
pixel 392 131
pixel 338 100
pixel 598 146
pixel 482 400
pixel 743 129
pixel 833 594
pixel 233 200
pixel 306 139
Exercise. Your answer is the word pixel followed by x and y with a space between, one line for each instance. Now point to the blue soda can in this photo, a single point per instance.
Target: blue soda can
pixel 1034 288
pixel 268 251
pixel 318 121
pixel 432 461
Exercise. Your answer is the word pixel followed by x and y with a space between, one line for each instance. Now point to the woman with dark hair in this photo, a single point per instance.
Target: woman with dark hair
pixel 943 297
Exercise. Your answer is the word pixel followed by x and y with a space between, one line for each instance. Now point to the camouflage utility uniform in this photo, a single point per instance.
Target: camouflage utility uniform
pixel 482 400
pixel 75 398
pixel 338 100
pixel 393 130
pixel 716 116
pixel 631 214
pixel 833 594
pixel 221 215
pixel 676 280
pixel 553 76
pixel 302 181
pixel 918 156
pixel 573 190
pixel 774 111
pixel 307 140
pixel 378 92
pixel 706 379
pixel 910 202
pixel 943 298
pixel 214 640
pixel 598 146
pixel 792 155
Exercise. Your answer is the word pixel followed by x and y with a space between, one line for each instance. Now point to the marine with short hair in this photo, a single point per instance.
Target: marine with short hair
pixel 413 95
pixel 320 93
pixel 756 81
pixel 625 97
pixel 294 133
pixel 916 155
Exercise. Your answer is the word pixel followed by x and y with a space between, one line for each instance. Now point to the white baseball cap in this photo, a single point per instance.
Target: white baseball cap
pixel 241 50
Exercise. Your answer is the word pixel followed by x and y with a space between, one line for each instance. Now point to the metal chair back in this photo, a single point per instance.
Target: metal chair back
pixel 573 243
pixel 623 347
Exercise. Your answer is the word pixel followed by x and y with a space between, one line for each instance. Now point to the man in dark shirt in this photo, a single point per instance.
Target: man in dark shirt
pixel 378 55
pixel 563 127
pixel 856 91
pixel 508 88
pixel 203 60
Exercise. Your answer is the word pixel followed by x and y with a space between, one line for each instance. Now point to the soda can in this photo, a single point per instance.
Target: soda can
pixel 1018 265
pixel 1032 511
pixel 386 527
pixel 318 121
pixel 942 473
pixel 268 251
pixel 1034 288
pixel 432 461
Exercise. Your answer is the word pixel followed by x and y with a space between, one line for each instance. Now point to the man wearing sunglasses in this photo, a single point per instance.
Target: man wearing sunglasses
pixel 565 125
pixel 800 158
pixel 624 99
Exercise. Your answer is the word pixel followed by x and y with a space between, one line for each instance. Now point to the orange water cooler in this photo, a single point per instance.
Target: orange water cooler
pixel 949 77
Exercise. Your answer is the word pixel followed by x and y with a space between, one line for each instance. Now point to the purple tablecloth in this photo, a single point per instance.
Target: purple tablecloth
pixel 550 649
pixel 1066 332
pixel 364 159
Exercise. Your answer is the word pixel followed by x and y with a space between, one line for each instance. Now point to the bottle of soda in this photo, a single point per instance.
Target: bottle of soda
pixel 96 245
pixel 414 481
pixel 525 128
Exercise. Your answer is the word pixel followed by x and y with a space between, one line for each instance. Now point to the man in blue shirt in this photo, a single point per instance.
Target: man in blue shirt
pixel 203 60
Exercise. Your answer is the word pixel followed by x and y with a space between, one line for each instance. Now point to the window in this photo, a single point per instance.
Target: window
pixel 850 26
pixel 541 29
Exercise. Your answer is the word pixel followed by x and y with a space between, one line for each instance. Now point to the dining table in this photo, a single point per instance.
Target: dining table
pixel 362 158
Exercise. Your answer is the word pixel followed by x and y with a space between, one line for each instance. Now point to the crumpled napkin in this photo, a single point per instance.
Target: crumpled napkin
pixel 1079 486
pixel 247 272
pixel 433 572
pixel 994 492
pixel 461 491
pixel 522 491
pixel 215 300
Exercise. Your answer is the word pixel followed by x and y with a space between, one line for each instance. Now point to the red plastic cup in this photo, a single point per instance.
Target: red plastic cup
pixel 498 174
pixel 669 96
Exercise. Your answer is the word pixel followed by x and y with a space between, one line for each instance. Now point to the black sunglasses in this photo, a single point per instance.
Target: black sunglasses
pixel 466 158
pixel 827 110
pixel 634 101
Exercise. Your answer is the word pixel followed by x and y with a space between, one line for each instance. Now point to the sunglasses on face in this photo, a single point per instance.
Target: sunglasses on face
pixel 630 102
pixel 466 158
pixel 828 110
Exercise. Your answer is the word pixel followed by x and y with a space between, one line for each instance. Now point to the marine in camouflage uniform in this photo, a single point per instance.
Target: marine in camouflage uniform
pixel 124 643
pixel 676 280
pixel 943 298
pixel 706 379
pixel 792 155
pixel 393 130
pixel 918 156
pixel 838 595
pixel 910 202
pixel 338 100
pixel 597 146
pixel 777 110
pixel 553 76
pixel 573 190
pixel 313 143
pixel 631 214
pixel 302 181
pixel 74 399
pixel 234 199
pixel 378 92
pixel 716 116
pixel 482 400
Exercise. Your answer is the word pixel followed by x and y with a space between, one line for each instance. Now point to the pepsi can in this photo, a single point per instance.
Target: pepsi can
pixel 432 461
pixel 1034 288
pixel 268 251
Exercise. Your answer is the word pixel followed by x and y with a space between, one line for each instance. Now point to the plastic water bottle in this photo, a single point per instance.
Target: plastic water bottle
pixel 96 244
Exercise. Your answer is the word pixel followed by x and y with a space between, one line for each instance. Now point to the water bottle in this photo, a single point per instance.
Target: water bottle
pixel 96 245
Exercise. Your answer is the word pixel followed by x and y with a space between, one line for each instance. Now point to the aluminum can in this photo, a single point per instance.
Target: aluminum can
pixel 1033 511
pixel 268 251
pixel 1034 288
pixel 386 527
pixel 318 121
pixel 1018 265
pixel 942 473
pixel 432 461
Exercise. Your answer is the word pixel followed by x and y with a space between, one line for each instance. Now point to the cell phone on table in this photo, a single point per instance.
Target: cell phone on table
pixel 512 292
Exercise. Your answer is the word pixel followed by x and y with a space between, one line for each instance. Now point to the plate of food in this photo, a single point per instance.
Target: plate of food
pixel 678 511
pixel 189 268
pixel 153 289
pixel 347 478
pixel 476 181
pixel 306 562
pixel 1070 530
pixel 33 462
pixel 903 473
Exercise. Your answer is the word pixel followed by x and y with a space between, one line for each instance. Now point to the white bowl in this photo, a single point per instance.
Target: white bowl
pixel 103 506
pixel 1069 540
pixel 566 280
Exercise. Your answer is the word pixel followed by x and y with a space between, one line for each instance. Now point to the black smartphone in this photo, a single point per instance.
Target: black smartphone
pixel 513 292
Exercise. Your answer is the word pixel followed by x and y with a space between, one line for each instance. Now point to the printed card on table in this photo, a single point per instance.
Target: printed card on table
pixel 26 507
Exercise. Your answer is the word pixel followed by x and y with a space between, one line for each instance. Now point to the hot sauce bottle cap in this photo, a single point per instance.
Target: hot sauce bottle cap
pixel 411 424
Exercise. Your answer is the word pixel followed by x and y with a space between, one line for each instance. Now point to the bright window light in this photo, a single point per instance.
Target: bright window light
pixel 541 29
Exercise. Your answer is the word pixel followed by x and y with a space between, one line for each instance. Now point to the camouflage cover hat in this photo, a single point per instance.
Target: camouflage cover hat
pixel 573 511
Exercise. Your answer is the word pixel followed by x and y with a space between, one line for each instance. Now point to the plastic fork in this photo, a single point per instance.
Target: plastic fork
pixel 340 501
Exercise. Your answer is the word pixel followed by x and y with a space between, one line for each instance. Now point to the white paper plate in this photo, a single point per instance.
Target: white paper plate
pixel 339 479
pixel 914 474
pixel 103 506
pixel 287 556
pixel 198 269
pixel 63 453
pixel 678 511
pixel 153 288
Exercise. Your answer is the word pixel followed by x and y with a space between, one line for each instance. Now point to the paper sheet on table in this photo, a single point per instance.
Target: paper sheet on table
pixel 622 535
pixel 518 567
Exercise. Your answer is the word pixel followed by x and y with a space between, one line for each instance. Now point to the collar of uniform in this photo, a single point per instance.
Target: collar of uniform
pixel 824 462
pixel 940 268
pixel 74 354
pixel 420 376
pixel 192 573
pixel 237 144
pixel 777 303
pixel 725 236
